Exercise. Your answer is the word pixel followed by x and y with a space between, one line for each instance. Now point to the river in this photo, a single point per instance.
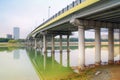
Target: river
pixel 31 64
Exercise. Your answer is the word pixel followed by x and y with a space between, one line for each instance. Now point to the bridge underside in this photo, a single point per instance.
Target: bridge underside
pixel 103 14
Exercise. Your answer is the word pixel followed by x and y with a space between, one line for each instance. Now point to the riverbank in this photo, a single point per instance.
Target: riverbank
pixel 11 45
pixel 106 72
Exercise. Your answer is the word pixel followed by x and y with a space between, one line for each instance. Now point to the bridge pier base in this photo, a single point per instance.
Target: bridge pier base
pixel 97 46
pixel 81 46
pixel 111 46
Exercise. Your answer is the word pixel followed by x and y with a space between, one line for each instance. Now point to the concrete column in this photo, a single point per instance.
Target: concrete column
pixel 45 57
pixel 53 44
pixel 35 44
pixel 68 48
pixel 31 43
pixel 53 59
pixel 60 43
pixel 81 46
pixel 97 46
pixel 35 54
pixel 41 44
pixel 119 45
pixel 61 57
pixel 111 46
pixel 44 44
pixel 68 59
pixel 28 42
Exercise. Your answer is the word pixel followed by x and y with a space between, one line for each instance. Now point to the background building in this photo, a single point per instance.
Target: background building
pixel 16 33
pixel 9 36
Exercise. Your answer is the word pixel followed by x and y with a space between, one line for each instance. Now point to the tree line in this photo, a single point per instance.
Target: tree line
pixel 56 40
pixel 11 40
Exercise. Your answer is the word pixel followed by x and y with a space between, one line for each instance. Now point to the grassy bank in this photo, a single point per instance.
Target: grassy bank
pixel 107 72
pixel 11 45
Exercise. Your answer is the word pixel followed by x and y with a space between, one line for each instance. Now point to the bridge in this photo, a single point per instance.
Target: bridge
pixel 79 16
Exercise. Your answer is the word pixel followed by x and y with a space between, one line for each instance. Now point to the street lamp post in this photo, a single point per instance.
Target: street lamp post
pixel 49 12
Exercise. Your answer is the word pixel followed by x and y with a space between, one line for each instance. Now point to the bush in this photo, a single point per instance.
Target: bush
pixel 4 40
pixel 12 41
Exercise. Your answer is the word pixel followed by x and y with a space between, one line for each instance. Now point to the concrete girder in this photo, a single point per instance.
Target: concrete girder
pixel 59 32
pixel 93 24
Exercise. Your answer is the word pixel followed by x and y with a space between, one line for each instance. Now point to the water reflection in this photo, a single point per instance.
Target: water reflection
pixel 16 54
pixel 15 65
pixel 48 68
pixel 58 64
pixel 9 49
pixel 68 59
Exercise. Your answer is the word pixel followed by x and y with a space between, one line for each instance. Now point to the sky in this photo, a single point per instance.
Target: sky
pixel 26 14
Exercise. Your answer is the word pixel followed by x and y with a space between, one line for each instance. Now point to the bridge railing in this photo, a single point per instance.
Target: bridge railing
pixel 73 4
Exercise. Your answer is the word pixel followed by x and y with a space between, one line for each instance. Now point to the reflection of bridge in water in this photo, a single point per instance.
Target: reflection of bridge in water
pixel 47 67
pixel 80 16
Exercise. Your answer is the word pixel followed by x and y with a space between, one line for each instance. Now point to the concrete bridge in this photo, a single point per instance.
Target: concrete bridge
pixel 79 16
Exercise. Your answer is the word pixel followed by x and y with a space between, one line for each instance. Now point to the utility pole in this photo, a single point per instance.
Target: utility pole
pixel 49 12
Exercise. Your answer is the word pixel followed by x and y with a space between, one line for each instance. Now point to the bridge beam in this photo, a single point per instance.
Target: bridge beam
pixel 111 46
pixel 97 46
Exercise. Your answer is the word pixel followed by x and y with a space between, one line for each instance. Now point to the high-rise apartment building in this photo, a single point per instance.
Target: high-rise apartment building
pixel 16 33
pixel 9 36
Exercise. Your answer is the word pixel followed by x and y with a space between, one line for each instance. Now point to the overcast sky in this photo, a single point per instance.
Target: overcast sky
pixel 26 14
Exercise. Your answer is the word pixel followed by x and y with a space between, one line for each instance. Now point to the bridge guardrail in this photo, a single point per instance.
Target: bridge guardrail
pixel 73 4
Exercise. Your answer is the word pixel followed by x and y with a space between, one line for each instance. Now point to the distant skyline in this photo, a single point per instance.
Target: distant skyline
pixel 26 14
pixel 16 33
pixel 29 14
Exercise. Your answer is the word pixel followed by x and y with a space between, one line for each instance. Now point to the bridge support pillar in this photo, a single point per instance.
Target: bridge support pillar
pixel 61 57
pixel 53 44
pixel 44 60
pixel 35 43
pixel 68 59
pixel 31 43
pixel 44 44
pixel 28 42
pixel 81 46
pixel 60 43
pixel 41 44
pixel 53 59
pixel 97 46
pixel 111 45
pixel 68 48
